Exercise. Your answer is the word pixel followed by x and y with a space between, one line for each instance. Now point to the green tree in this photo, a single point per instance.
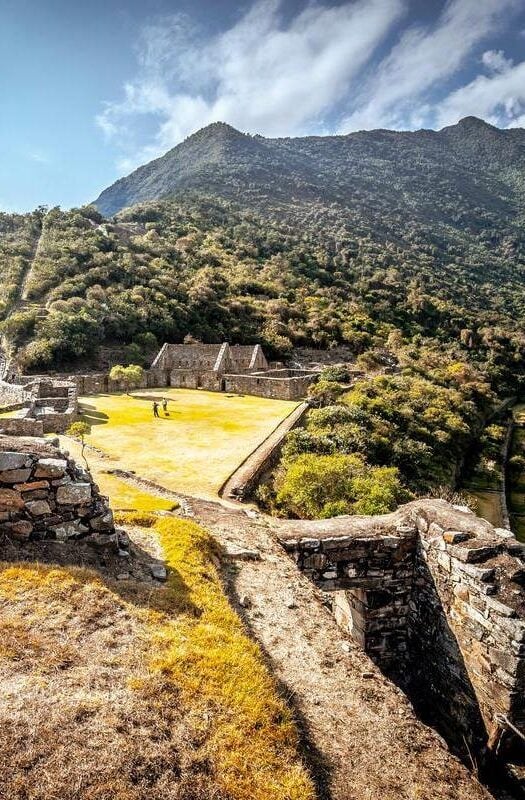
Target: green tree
pixel 79 430
pixel 129 377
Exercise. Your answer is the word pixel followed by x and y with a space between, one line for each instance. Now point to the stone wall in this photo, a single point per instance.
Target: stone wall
pixel 244 480
pixel 45 495
pixel 21 426
pixel 12 395
pixel 278 384
pixel 435 596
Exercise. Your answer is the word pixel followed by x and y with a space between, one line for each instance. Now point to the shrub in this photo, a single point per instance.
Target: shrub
pixel 314 486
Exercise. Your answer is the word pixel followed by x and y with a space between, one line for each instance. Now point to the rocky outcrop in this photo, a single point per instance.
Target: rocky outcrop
pixel 44 494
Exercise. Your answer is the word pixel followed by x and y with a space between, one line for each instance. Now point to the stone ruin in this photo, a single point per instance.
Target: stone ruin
pixel 42 405
pixel 240 369
pixel 435 596
pixel 44 494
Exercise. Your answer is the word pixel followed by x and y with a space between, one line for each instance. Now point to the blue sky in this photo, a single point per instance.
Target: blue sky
pixel 91 90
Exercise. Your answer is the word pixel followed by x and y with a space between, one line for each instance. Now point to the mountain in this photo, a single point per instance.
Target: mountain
pixel 467 176
pixel 305 242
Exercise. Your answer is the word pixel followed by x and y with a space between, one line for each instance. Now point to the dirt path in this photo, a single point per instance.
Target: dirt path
pixel 22 297
pixel 361 736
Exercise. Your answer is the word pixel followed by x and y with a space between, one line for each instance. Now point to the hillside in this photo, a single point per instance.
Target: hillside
pixel 466 178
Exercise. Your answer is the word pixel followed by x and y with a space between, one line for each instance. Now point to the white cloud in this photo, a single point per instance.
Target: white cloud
pixel 394 95
pixel 261 75
pixel 495 61
pixel 284 79
pixel 498 98
pixel 39 157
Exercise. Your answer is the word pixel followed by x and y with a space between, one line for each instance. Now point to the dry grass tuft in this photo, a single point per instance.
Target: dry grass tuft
pixel 142 519
pixel 130 691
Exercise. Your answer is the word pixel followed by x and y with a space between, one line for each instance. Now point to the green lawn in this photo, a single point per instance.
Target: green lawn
pixel 194 449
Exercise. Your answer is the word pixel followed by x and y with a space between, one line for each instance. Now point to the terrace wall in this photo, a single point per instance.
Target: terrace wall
pixel 435 596
pixel 45 495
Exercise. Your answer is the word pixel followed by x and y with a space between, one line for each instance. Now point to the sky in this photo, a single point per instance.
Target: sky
pixel 91 90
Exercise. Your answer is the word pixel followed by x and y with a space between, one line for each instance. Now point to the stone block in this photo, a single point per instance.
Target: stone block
pixel 103 540
pixel 159 572
pixel 499 608
pixel 10 460
pixel 515 548
pixel 10 500
pixel 483 574
pixel 15 475
pixel 515 628
pixel 74 494
pixel 443 559
pixel 475 554
pixel 33 486
pixel 102 522
pixel 435 530
pixel 69 530
pixel 421 524
pixel 316 561
pixel 38 508
pixel 50 468
pixel 21 529
pixel 504 659
pixel 310 544
pixel 454 537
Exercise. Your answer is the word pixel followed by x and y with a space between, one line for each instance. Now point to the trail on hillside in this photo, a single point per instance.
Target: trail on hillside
pixel 19 303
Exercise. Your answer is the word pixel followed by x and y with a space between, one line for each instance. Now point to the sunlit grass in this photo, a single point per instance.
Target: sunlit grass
pixel 252 740
pixel 194 449
pixel 155 676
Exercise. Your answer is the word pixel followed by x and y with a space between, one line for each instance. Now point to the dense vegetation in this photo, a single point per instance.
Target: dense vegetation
pixel 387 439
pixel 407 248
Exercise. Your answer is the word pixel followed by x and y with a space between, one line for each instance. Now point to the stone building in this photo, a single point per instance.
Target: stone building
pixel 243 369
pixel 40 405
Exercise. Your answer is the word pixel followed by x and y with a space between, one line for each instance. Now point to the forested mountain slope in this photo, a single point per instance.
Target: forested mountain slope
pixel 465 181
pixel 315 241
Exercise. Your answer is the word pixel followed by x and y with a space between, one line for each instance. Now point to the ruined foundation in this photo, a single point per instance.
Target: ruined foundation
pixel 434 595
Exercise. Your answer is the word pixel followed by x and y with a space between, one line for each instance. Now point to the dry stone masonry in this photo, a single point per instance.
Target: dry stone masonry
pixel 435 596
pixel 242 369
pixel 44 494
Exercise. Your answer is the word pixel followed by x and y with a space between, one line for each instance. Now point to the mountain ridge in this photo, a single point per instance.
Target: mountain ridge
pixel 361 172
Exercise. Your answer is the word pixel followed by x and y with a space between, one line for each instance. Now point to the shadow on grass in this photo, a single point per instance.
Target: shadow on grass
pixel 87 562
pixel 92 416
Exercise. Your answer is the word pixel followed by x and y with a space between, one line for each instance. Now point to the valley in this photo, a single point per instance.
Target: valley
pixel 320 639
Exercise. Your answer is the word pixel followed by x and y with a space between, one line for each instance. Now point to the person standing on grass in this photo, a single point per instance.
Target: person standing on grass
pixel 165 406
pixel 155 409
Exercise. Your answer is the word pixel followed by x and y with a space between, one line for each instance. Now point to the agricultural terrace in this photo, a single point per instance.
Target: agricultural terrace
pixel 193 448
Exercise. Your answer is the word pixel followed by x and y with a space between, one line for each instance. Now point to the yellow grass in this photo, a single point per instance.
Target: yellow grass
pixel 123 495
pixel 193 450
pixel 132 692
pixel 252 740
